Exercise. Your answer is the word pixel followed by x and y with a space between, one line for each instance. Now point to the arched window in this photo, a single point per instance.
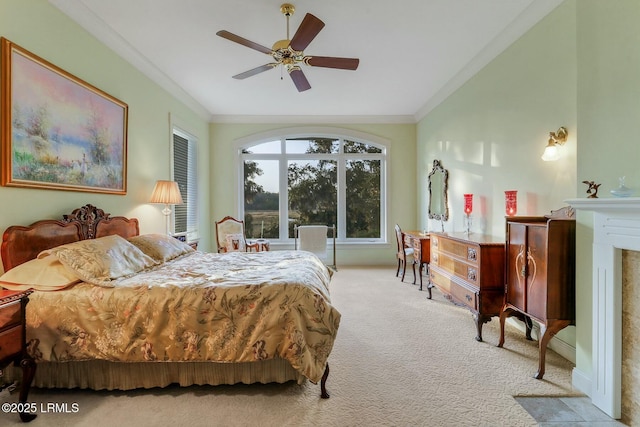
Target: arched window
pixel 314 178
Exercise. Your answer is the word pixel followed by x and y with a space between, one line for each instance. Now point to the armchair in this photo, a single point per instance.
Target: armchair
pixel 230 236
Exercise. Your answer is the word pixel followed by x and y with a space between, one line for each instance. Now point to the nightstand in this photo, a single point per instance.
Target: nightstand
pixel 13 346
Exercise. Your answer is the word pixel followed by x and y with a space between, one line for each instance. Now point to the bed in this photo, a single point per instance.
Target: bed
pixel 177 316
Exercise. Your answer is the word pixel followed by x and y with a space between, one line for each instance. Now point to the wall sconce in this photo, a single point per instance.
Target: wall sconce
pixel 166 192
pixel 551 152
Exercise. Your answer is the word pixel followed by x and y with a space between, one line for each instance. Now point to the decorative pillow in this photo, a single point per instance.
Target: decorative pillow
pixel 101 260
pixel 235 243
pixel 161 247
pixel 41 274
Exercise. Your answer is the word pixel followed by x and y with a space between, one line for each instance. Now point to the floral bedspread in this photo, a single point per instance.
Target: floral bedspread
pixel 236 307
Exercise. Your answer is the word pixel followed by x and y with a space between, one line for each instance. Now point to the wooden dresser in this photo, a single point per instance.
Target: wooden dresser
pixel 469 270
pixel 540 275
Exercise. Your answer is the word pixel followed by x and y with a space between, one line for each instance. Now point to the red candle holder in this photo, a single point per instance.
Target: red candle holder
pixel 468 203
pixel 511 202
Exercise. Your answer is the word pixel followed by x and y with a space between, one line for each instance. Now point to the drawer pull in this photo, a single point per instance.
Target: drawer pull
pixel 468 298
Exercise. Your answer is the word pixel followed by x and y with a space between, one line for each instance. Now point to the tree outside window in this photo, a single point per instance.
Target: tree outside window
pixel 329 181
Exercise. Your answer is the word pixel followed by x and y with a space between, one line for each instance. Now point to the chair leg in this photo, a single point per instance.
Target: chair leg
pixel 413 266
pixel 398 269
pixel 404 270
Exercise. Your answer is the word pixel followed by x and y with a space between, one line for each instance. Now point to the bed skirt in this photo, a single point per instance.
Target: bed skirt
pixel 105 375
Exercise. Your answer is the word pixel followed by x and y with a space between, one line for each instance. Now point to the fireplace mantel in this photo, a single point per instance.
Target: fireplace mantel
pixel 616 226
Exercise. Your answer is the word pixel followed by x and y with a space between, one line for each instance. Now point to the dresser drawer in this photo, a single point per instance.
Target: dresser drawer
pixel 11 342
pixel 464 296
pixel 460 250
pixel 10 315
pixel 467 272
pixel 451 286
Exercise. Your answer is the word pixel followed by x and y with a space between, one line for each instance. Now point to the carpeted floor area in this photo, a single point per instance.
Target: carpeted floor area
pixel 399 360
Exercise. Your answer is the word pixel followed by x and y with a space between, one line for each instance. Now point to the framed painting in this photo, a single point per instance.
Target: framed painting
pixel 57 131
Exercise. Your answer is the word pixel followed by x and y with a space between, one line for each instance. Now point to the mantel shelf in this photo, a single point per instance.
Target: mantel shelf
pixel 606 204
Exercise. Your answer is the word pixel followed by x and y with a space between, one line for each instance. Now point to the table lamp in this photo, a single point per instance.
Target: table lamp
pixel 166 192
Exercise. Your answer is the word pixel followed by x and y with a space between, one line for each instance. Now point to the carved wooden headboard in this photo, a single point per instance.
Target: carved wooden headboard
pixel 21 244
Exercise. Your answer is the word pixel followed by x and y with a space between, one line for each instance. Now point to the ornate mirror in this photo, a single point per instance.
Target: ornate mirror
pixel 438 203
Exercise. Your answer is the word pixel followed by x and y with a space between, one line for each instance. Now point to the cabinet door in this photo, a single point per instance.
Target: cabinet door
pixel 516 265
pixel 537 286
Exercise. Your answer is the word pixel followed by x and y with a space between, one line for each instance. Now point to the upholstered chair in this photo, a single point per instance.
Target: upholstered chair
pixel 230 236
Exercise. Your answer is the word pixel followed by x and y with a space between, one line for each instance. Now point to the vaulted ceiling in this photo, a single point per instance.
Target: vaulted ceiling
pixel 413 53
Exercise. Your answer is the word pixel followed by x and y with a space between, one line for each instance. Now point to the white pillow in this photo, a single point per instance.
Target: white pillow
pixel 161 247
pixel 101 260
pixel 41 274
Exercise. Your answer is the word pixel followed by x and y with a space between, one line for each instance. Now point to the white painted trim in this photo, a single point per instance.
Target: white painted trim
pixel 581 381
pixel 616 226
pixel 95 26
pixel 315 119
pixel 537 10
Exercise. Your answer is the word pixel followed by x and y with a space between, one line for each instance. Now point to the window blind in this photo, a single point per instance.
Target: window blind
pixel 185 174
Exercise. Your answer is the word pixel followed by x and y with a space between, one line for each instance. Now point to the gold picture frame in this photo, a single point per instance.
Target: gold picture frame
pixel 58 131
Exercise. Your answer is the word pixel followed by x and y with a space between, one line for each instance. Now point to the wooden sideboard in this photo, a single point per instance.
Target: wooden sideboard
pixel 419 241
pixel 469 270
pixel 540 275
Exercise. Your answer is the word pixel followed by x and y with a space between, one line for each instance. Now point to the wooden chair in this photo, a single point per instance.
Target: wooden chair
pixel 313 238
pixel 403 253
pixel 230 236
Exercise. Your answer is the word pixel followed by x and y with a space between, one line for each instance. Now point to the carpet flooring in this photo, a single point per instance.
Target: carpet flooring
pixel 399 360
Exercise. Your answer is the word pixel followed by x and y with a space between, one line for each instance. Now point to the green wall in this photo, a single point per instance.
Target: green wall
pixel 608 106
pixel 401 183
pixel 576 68
pixel 43 30
pixel 491 132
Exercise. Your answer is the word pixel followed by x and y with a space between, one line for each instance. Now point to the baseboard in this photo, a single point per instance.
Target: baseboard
pixel 562 348
pixel 581 381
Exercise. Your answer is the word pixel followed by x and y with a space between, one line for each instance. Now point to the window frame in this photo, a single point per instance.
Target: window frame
pixel 191 235
pixel 283 157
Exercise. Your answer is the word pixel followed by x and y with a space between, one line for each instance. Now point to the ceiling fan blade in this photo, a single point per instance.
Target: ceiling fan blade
pixel 307 31
pixel 299 80
pixel 241 40
pixel 255 71
pixel 332 62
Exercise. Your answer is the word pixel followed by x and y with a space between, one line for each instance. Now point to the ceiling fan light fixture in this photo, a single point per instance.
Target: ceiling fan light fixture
pixel 290 52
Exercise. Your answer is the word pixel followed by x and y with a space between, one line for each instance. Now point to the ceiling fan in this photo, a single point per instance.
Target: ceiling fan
pixel 289 53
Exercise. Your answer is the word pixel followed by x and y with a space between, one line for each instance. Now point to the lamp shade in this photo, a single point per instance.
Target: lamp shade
pixel 551 153
pixel 166 192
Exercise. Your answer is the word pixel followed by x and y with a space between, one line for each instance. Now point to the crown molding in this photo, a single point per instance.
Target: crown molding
pixel 529 17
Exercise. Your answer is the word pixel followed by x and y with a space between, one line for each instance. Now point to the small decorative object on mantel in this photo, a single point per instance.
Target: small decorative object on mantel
pixel 592 191
pixel 622 190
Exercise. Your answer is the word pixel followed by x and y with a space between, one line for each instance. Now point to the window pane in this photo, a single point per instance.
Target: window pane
pixel 360 147
pixel 363 198
pixel 181 176
pixel 261 199
pixel 313 192
pixel 270 147
pixel 313 145
pixel 185 174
